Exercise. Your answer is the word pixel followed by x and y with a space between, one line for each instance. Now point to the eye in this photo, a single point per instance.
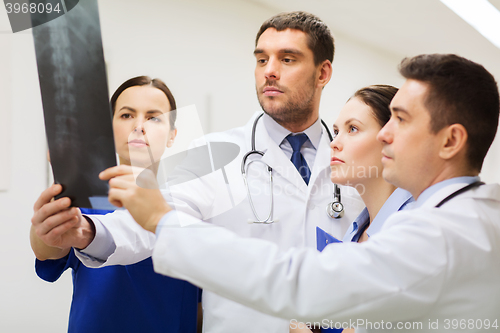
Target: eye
pixel 261 61
pixel 397 117
pixel 155 119
pixel 335 132
pixel 125 116
pixel 353 129
pixel 288 60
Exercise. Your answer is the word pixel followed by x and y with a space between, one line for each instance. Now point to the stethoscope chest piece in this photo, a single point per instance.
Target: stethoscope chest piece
pixel 335 210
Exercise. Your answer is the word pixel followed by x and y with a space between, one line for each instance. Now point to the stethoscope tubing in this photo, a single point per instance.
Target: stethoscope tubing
pixel 334 209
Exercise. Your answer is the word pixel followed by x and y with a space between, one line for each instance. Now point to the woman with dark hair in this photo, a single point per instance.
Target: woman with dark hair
pixel 130 298
pixel 356 160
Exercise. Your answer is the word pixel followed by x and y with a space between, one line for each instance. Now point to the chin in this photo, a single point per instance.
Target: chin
pixel 389 177
pixel 140 163
pixel 338 180
pixel 337 176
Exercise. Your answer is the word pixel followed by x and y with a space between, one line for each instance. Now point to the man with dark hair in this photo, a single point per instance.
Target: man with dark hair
pixel 450 100
pixel 293 63
pixel 434 267
pixel 319 37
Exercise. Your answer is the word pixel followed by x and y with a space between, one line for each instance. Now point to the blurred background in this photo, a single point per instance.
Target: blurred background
pixel 203 50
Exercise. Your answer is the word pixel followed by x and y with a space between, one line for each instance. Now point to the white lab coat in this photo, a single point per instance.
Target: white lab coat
pixel 428 265
pixel 297 207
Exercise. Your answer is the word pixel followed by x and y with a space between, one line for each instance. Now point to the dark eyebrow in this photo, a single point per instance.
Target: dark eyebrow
pixel 347 122
pixel 399 109
pixel 352 119
pixel 291 51
pixel 133 110
pixel 155 111
pixel 284 51
pixel 127 108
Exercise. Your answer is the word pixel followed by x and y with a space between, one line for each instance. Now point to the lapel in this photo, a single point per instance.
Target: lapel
pixel 322 159
pixel 276 159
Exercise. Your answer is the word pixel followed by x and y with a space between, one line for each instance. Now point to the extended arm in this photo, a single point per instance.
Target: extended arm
pixel 380 279
pixel 372 280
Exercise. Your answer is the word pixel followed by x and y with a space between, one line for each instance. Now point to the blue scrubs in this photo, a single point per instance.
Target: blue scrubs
pixel 125 299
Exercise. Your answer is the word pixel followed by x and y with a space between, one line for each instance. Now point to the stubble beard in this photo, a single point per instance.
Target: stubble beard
pixel 298 108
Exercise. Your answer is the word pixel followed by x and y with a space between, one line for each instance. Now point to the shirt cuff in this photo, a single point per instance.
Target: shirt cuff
pixel 177 219
pixel 169 219
pixel 103 244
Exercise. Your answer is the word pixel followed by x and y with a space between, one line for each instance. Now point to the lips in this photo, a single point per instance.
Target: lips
pixel 137 143
pixel 271 91
pixel 385 156
pixel 336 160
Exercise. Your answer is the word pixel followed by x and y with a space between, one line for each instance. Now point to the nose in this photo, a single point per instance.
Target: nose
pixel 336 144
pixel 139 126
pixel 386 134
pixel 271 71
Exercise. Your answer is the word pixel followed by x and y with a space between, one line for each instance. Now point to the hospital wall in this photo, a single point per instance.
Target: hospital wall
pixel 203 51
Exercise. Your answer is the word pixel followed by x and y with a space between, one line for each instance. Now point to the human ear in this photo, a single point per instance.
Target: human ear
pixel 454 141
pixel 325 73
pixel 171 137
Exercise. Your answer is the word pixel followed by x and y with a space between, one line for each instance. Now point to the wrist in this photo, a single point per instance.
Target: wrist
pixel 156 218
pixel 87 233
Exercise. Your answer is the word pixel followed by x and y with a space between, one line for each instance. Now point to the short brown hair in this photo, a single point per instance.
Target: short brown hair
pixel 145 81
pixel 378 97
pixel 460 92
pixel 319 37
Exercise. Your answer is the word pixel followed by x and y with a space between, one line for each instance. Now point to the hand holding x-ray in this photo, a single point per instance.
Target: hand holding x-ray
pixel 140 196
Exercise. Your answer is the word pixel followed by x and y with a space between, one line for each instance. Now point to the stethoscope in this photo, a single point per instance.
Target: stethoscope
pixel 334 209
pixel 460 191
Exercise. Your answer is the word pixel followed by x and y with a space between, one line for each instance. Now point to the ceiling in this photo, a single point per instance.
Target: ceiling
pixel 400 27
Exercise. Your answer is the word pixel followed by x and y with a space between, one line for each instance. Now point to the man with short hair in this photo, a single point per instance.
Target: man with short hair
pixel 432 268
pixel 293 54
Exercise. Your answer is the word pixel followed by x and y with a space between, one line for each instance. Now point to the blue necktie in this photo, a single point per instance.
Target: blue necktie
pixel 296 141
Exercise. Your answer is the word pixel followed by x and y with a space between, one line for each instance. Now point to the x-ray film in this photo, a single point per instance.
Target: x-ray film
pixel 76 108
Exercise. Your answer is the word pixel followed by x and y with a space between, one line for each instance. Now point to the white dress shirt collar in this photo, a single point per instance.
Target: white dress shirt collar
pixel 278 133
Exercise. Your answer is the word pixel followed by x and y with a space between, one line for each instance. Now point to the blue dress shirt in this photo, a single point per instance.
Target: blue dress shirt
pixel 428 192
pixel 399 200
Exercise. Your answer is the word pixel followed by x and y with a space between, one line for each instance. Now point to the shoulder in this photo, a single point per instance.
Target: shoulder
pixel 470 213
pixel 236 132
